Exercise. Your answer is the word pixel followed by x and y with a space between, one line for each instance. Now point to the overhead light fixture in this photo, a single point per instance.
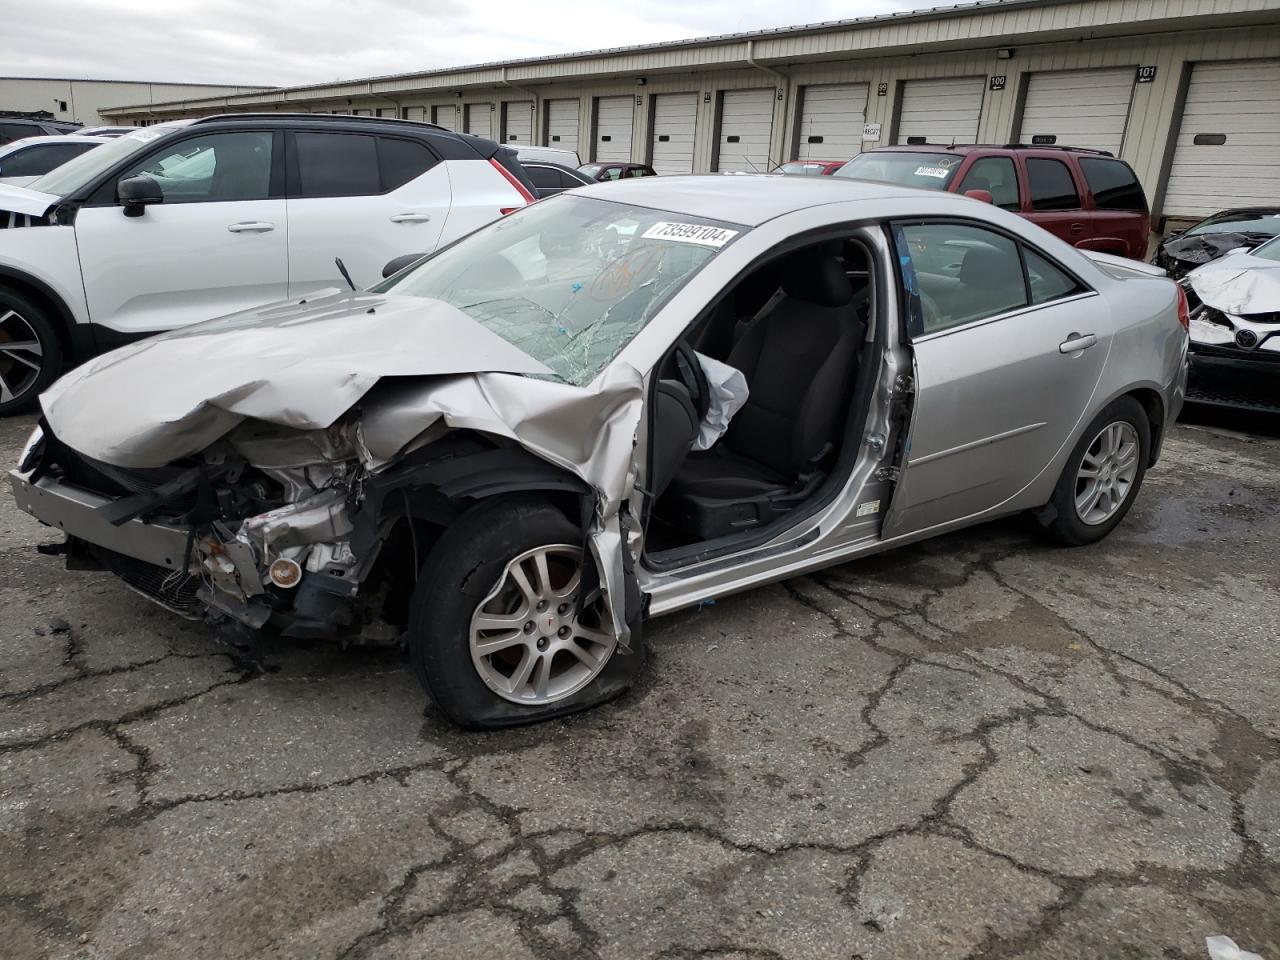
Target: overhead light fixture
pixel 1004 53
pixel 641 81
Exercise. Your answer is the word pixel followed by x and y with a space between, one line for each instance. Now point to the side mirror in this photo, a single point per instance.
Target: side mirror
pixel 399 263
pixel 983 195
pixel 136 193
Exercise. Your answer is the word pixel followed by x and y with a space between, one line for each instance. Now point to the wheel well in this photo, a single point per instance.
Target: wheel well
pixel 1153 404
pixel 42 297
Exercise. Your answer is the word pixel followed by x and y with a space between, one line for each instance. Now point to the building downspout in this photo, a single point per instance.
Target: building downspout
pixel 535 133
pixel 786 94
pixel 382 96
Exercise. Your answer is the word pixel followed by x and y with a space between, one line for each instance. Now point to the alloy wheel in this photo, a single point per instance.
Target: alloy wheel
pixel 21 356
pixel 1107 472
pixel 528 641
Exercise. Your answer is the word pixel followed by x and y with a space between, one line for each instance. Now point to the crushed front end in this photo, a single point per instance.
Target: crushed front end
pixel 215 536
pixel 1235 359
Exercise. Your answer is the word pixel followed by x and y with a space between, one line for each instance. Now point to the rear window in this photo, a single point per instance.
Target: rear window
pixel 1051 185
pixel 927 171
pixel 400 161
pixel 1113 184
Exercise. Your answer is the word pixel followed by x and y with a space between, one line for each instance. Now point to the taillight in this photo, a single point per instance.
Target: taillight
pixel 505 210
pixel 1184 309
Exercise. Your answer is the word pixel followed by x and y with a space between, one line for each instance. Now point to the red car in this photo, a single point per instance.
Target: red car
pixel 810 168
pixel 1086 197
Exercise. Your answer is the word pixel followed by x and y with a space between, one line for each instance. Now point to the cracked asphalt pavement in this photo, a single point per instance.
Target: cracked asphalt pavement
pixel 981 746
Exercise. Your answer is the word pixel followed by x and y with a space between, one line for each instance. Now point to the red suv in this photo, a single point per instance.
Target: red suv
pixel 1087 197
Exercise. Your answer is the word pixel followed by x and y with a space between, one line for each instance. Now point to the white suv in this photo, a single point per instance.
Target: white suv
pixel 185 221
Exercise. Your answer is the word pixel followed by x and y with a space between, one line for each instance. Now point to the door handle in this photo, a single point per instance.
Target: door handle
pixel 1077 342
pixel 251 226
pixel 411 218
pixel 1077 228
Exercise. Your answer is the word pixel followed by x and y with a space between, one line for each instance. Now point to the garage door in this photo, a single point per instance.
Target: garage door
pixel 477 118
pixel 562 124
pixel 446 116
pixel 675 117
pixel 415 113
pixel 746 122
pixel 1078 108
pixel 940 111
pixel 519 128
pixel 1228 148
pixel 831 119
pixel 613 128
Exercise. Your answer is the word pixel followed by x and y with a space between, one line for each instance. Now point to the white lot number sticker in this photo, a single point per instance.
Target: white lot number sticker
pixel 690 233
pixel 939 172
pixel 868 508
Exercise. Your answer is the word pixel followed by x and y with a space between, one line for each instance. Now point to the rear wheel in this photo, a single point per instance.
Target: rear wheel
pixel 497 632
pixel 1102 476
pixel 30 352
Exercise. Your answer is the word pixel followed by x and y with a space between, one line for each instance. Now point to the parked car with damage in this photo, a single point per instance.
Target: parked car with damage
pixel 616 403
pixel 1235 330
pixel 24 161
pixel 1242 228
pixel 184 221
pixel 1087 198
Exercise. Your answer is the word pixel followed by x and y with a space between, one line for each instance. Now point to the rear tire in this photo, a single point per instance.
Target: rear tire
pixel 1102 476
pixel 30 352
pixel 470 586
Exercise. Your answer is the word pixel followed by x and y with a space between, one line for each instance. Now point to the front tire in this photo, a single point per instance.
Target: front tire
pixel 1102 476
pixel 30 352
pixel 495 635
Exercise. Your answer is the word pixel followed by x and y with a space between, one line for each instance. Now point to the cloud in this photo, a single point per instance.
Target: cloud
pixel 247 42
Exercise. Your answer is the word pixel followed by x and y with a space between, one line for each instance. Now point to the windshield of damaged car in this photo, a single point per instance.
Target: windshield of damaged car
pixel 926 171
pixel 1263 223
pixel 569 280
pixel 77 172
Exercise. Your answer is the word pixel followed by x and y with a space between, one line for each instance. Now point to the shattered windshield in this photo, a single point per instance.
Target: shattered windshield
pixel 569 280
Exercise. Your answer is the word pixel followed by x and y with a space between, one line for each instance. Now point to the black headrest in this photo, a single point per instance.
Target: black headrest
pixel 816 278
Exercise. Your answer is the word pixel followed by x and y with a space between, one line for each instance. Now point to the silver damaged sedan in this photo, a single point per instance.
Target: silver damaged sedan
pixel 610 405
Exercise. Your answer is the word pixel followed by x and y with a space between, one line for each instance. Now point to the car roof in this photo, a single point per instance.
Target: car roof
pixel 746 198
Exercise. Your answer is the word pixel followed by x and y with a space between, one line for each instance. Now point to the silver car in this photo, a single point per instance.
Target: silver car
pixel 613 404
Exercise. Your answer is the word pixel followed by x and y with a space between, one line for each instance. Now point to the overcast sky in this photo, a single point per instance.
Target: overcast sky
pixel 289 41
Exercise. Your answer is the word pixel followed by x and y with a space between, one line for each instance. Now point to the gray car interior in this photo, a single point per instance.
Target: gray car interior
pixel 795 328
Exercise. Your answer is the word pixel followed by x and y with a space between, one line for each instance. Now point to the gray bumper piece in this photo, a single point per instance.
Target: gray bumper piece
pixel 75 511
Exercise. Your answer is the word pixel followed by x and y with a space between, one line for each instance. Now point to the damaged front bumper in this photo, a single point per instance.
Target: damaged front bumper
pixel 288 567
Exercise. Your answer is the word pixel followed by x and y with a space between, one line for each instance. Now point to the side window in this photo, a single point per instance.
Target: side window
pixel 15 131
pixel 1113 184
pixel 336 165
pixel 637 172
pixel 612 173
pixel 953 274
pixel 1046 281
pixel 998 177
pixel 1051 185
pixel 400 161
pixel 215 167
pixel 39 160
pixel 543 176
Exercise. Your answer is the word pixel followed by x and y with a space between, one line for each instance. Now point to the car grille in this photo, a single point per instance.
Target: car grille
pixel 172 589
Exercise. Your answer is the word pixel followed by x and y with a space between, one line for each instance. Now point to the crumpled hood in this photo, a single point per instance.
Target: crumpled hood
pixel 297 365
pixel 1203 248
pixel 1240 284
pixel 15 199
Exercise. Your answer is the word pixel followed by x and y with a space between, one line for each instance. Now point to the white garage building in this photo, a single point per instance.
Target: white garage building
pixel 81 101
pixel 1187 91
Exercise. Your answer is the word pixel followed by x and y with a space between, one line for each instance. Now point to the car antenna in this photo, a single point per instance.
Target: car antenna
pixel 342 269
